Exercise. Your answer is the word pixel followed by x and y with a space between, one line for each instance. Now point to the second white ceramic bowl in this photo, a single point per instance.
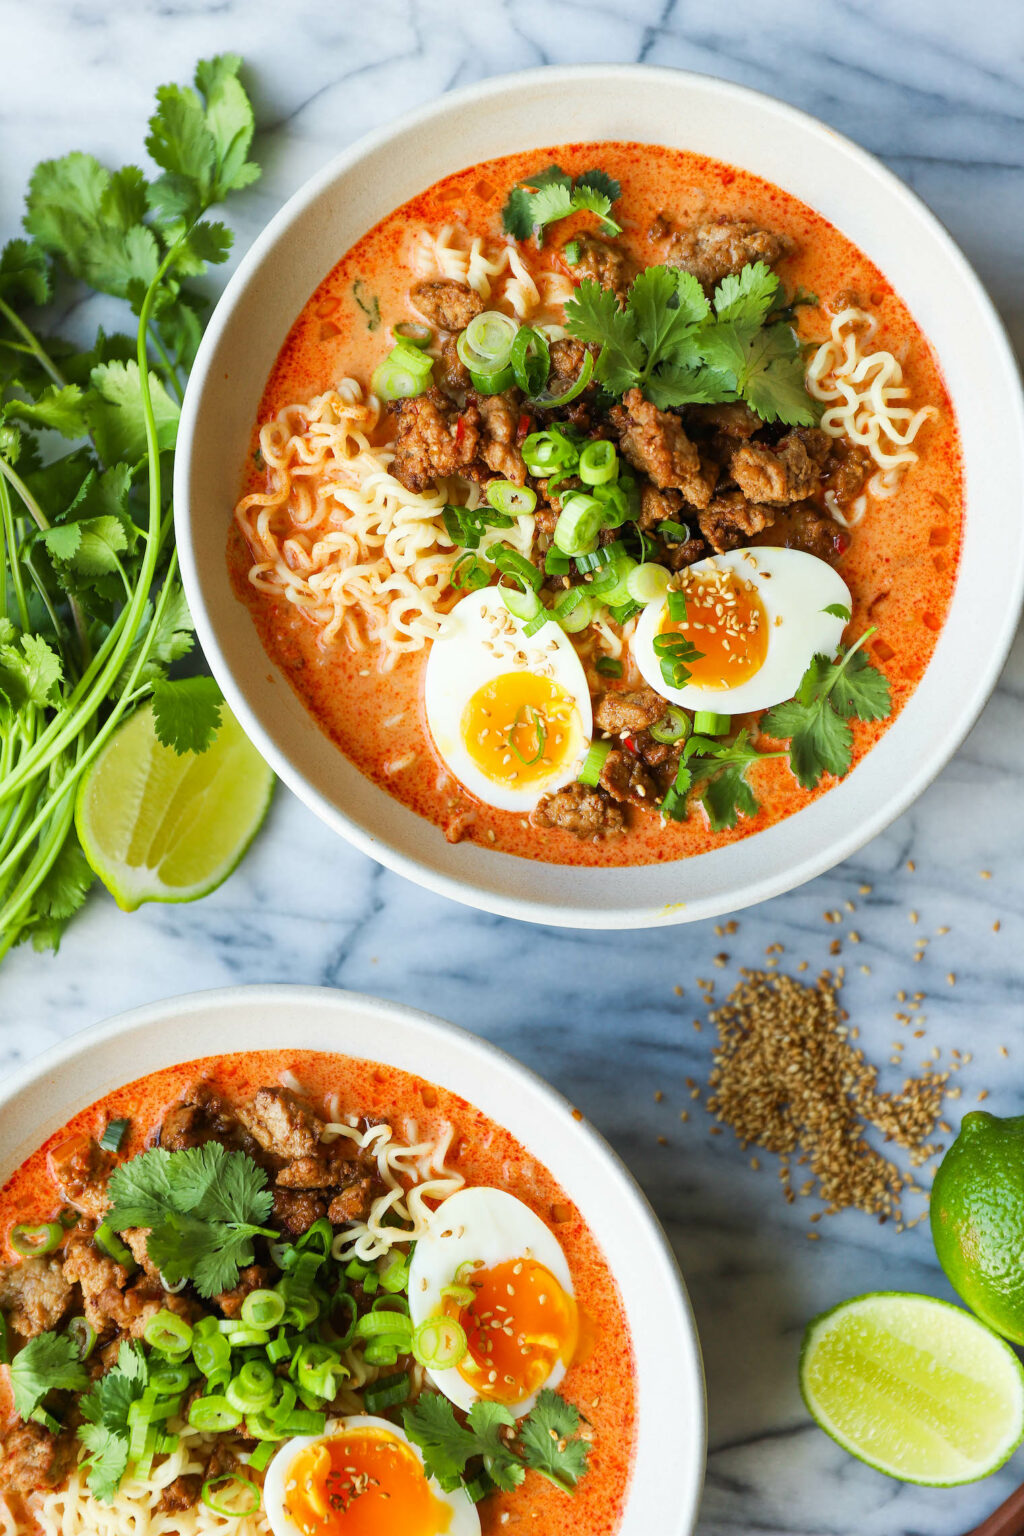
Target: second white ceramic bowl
pixel 549 107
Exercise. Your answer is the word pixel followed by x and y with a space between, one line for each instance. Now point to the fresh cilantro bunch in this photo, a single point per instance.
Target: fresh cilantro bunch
pixel 552 195
pixel 203 1207
pixel 678 348
pixel 106 1434
pixel 92 615
pixel 547 1441
pixel 816 721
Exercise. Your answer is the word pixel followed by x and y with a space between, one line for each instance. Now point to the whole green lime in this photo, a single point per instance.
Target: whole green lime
pixel 977 1217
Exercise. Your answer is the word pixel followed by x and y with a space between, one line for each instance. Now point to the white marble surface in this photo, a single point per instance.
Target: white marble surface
pixel 937 90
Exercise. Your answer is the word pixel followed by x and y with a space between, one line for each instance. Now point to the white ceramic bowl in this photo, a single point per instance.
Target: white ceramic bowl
pixel 43 1096
pixel 555 106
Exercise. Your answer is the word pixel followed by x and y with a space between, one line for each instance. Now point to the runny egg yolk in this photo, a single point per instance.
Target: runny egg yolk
pixel 518 1326
pixel 517 727
pixel 726 621
pixel 362 1482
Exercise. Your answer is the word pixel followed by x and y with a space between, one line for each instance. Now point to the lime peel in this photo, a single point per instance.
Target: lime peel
pixel 915 1387
pixel 157 825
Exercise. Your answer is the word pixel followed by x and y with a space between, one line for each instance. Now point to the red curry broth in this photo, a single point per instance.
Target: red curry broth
pixel 601 1380
pixel 900 566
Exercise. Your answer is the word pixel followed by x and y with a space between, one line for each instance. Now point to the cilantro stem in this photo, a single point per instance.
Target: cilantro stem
pixel 10 541
pixel 848 657
pixel 33 344
pixel 170 372
pixel 42 522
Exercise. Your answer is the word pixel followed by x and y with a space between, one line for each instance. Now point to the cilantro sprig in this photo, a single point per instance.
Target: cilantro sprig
pixel 203 1206
pixel 106 1434
pixel 48 1363
pixel 816 721
pixel 551 195
pixel 547 1441
pixel 680 349
pixel 92 615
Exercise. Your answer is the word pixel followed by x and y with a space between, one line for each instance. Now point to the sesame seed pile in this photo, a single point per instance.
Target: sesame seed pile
pixel 787 1077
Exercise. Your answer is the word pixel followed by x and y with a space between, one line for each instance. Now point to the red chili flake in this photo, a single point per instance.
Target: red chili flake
pixel 523 429
pixel 460 429
pixel 629 742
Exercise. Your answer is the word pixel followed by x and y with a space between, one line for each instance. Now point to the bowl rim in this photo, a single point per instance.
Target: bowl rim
pixel 773 878
pixel 678 1330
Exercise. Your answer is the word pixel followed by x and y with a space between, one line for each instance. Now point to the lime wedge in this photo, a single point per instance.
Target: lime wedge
pixel 156 826
pixel 917 1388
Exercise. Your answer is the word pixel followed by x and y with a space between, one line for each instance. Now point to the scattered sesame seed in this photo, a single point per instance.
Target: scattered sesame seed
pixel 986 874
pixel 911 865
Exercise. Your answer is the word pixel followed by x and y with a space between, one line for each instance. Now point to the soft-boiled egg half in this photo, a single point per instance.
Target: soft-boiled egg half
pixel 509 713
pixel 362 1477
pixel 489 1262
pixel 757 616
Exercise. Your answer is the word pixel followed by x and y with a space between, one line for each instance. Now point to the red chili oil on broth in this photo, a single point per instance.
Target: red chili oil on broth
pixel 601 1379
pixel 900 567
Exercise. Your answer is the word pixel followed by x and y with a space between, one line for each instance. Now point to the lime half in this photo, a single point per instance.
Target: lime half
pixel 917 1388
pixel 159 826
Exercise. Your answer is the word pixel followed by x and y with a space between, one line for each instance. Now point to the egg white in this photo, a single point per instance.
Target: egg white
pixel 491 1226
pixel 794 588
pixel 469 653
pixel 464 1519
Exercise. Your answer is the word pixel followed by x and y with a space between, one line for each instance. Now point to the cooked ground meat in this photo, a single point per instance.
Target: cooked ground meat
pixel 500 423
pixel 447 304
pixel 353 1203
pixel 806 527
pixel 567 357
pixel 33 1458
pixel 625 777
pixel 678 556
pixel 201 1116
pixel 113 1297
pixel 603 261
pixel 328 1168
pixel 137 1240
pixel 732 420
pixel 845 471
pixel 582 811
pixel 181 1494
pixel 80 1171
pixel 656 505
pixel 712 251
pixel 253 1278
pixel 619 711
pixel 296 1210
pixel 655 442
pixel 454 373
pixel 732 520
pixel 789 472
pixel 432 440
pixel 282 1125
pixel 34 1295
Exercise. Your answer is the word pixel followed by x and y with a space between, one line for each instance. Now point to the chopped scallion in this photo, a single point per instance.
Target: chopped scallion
pixel 594 761
pixel 114 1135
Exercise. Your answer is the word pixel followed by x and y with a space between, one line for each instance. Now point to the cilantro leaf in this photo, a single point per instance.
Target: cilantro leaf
pixel 107 1461
pixel 64 888
pixel 30 670
pixel 117 413
pixel 760 362
pixel 593 314
pixel 172 639
pixel 555 196
pixel 600 181
pixel 838 611
pixel 92 219
pixel 201 139
pixel 722 767
pixel 549 1443
pixel 48 1363
pixel 24 273
pixel 203 1207
pixel 487 1421
pixel 106 1434
pixel 187 712
pixel 815 722
pixel 517 214
pixel 62 410
pixel 746 296
pixel 446 1444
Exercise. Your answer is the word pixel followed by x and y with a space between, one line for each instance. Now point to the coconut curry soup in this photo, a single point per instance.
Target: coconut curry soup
pixel 317 1294
pixel 604 505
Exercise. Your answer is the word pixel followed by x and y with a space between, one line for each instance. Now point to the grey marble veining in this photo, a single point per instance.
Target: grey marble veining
pixel 937 90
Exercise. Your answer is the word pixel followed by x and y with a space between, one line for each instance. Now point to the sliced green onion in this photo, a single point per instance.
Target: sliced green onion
pixel 470 573
pixel 413 334
pixel 555 563
pixel 621 613
pixel 541 735
pixel 524 605
pixel 213 1414
pixel 263 1309
pixel 492 383
pixel 574 610
pixel 168 1333
pixel 674 725
pixel 260 1426
pixel 511 563
pixel 391 1303
pixel 479 1487
pixel 242 1338
pixel 108 1242
pixel 171 1380
pixel 531 360
pixel 594 761
pixel 547 452
pixel 211 1352
pixel 579 523
pixel 113 1136
pixel 252 1389
pixel 599 463
pixel 343 1339
pixel 280 1348
pixel 609 667
pixel 84 1335
pixel 619 500
pixel 537 623
pixel 466 1270
pixel 485 346
pixel 310 1421
pixel 678 532
pixel 707 723
pixel 674 653
pixel 386 1392
pixel 33 1241
pixel 261 1456
pixel 440 1342
pixel 403 373
pixel 546 400
pixel 677 607
pixel 611 583
pixel 512 500
pixel 69 1218
pixel 603 555
pixel 371 1324
pixel 219 1507
pixel 571 252
pixel 648 583
pixel 318 1238
pixel 464 1295
pixel 385 1350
